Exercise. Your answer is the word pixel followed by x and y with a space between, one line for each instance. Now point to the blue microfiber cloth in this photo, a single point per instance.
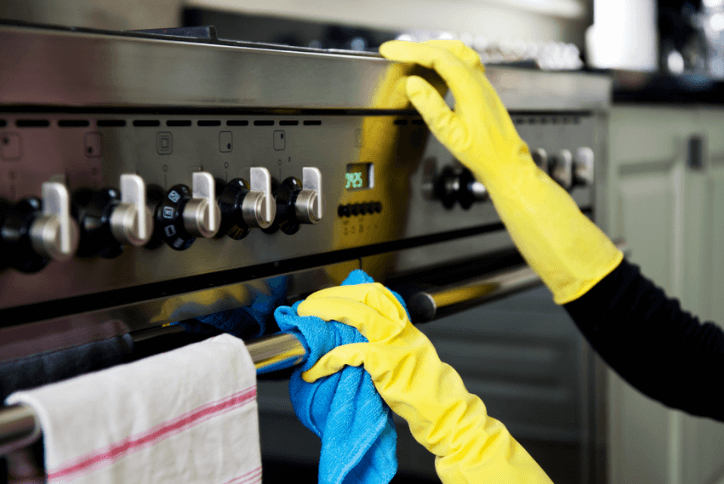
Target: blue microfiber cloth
pixel 249 321
pixel 344 409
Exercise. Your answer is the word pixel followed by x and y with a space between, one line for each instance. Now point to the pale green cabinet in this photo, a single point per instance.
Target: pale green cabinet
pixel 672 217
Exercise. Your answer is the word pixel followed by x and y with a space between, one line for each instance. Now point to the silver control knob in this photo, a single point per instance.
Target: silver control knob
pixel 131 220
pixel 562 169
pixel 583 166
pixel 310 204
pixel 259 208
pixel 54 233
pixel 540 158
pixel 202 215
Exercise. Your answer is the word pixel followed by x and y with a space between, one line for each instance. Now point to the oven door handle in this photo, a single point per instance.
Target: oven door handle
pixel 431 304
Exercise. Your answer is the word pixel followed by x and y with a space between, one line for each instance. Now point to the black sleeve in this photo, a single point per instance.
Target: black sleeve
pixel 664 352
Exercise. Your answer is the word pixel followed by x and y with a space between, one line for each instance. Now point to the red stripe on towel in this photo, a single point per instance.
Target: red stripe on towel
pixel 245 478
pixel 115 451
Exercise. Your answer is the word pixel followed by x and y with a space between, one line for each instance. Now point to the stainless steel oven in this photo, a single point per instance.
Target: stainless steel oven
pixel 154 177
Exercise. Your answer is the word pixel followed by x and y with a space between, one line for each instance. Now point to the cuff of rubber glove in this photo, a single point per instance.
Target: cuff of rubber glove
pixel 587 285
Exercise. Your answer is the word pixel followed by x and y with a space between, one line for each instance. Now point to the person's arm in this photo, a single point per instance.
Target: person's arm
pixel 661 350
pixel 646 337
pixel 444 417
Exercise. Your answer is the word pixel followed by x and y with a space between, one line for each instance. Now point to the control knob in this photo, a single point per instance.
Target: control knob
pixel 300 202
pixel 35 231
pixel 185 214
pixel 458 185
pixel 561 169
pixel 540 158
pixel 109 219
pixel 583 166
pixel 246 205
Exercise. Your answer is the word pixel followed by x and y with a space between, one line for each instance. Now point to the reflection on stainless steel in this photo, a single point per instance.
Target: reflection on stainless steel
pixel 20 426
pixel 276 351
pixel 148 72
pixel 426 306
pixel 431 304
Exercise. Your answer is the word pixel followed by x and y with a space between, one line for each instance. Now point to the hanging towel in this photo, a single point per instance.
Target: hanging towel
pixel 344 410
pixel 189 415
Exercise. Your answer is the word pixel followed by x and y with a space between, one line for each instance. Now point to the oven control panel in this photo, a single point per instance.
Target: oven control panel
pixel 92 203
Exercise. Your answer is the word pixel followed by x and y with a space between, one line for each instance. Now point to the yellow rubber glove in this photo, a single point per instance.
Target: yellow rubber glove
pixel 568 252
pixel 404 366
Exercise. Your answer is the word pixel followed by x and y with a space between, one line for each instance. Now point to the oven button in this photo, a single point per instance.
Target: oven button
pixel 470 190
pixel 109 219
pixel 183 214
pixel 459 184
pixel 201 215
pixel 246 205
pixel 540 158
pixel 583 166
pixel 446 187
pixel 302 202
pixel 131 220
pixel 36 231
pixel 561 168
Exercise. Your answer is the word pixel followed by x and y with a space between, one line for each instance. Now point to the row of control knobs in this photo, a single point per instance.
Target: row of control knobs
pixel 92 223
pixel 569 170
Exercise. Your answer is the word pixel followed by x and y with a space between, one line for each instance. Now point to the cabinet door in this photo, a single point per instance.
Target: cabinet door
pixel 646 201
pixel 703 283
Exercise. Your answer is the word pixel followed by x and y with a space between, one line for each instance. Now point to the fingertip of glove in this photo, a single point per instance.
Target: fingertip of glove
pixel 391 48
pixel 415 86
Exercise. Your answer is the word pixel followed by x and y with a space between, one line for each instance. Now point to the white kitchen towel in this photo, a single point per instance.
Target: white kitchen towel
pixel 186 416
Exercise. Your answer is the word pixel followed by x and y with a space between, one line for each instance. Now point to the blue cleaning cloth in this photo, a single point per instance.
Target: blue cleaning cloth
pixel 249 321
pixel 344 409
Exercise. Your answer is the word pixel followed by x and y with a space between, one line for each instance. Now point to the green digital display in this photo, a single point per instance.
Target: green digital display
pixel 359 176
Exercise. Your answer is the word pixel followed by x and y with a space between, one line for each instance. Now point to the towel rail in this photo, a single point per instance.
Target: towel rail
pixel 18 423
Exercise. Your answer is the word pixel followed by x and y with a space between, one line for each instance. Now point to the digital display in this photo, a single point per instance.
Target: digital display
pixel 359 176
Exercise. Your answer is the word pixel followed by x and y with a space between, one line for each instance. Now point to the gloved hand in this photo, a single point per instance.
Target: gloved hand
pixel 406 371
pixel 568 252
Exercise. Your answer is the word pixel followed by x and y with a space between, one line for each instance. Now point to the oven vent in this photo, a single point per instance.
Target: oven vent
pixel 312 122
pixel 111 123
pixel 209 122
pixel 288 122
pixel 146 123
pixel 237 122
pixel 178 122
pixel 32 123
pixel 264 122
pixel 73 123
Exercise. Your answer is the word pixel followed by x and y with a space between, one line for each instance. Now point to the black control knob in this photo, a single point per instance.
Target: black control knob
pixel 470 190
pixel 184 214
pixel 35 231
pixel 169 219
pixel 300 202
pixel 15 233
pixel 92 209
pixel 231 200
pixel 446 187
